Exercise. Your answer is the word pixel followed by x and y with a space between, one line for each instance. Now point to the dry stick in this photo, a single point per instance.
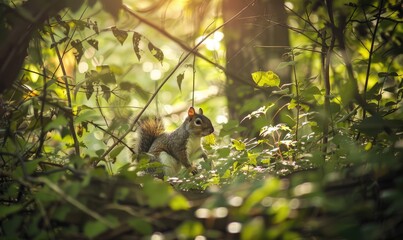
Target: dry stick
pixel 70 114
pixel 192 51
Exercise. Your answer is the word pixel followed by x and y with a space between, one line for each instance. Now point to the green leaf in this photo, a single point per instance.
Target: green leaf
pixel 45 195
pixel 56 123
pixel 269 79
pixel 292 104
pixel 158 193
pixel 227 174
pixel 106 92
pixel 238 145
pixel 115 152
pixel 93 43
pixel 94 228
pixel 270 186
pixel 141 226
pixel 253 229
pixel 120 35
pixel 11 227
pixel 179 80
pixel 62 212
pixel 89 87
pixel 156 52
pixel 7 210
pixel 76 44
pixel 99 152
pixel 209 139
pixel 252 158
pixel 308 93
pixel 372 125
pixel 281 210
pixel 223 152
pixel 136 42
pixel 190 229
pixel 179 202
pixel 105 74
pixel 86 115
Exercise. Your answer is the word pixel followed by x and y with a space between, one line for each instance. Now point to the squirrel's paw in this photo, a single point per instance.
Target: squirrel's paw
pixel 193 170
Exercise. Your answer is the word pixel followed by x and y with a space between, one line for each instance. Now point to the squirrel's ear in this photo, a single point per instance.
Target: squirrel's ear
pixel 200 111
pixel 191 112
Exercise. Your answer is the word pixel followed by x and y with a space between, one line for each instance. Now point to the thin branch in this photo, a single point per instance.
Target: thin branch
pixel 288 47
pixel 70 115
pixel 301 31
pixel 42 134
pixel 326 59
pixel 298 100
pixel 113 136
pixel 370 55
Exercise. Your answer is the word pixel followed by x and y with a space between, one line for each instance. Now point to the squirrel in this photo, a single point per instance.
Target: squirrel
pixel 176 149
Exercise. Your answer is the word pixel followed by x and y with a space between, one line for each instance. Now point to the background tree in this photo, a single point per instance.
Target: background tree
pixel 257 40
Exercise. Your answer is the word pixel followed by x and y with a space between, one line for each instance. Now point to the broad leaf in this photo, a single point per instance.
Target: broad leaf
pixel 76 44
pixel 238 145
pixel 179 80
pixel 141 225
pixel 120 35
pixel 94 228
pixel 106 92
pixel 156 52
pixel 136 42
pixel 266 79
pixel 105 74
pixel 93 43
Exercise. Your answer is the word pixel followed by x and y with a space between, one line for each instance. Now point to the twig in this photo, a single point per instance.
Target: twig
pixel 194 80
pixel 113 136
pixel 70 114
pixel 42 134
pixel 370 55
pixel 298 100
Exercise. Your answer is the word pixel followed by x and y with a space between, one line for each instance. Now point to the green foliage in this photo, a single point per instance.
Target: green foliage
pixel 269 79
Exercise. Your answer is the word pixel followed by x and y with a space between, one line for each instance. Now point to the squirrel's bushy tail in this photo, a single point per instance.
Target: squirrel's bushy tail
pixel 149 129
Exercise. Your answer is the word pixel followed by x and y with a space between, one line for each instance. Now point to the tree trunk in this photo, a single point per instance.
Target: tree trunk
pixel 255 41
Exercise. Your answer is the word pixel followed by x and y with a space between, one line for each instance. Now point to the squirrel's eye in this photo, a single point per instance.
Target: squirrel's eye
pixel 198 122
